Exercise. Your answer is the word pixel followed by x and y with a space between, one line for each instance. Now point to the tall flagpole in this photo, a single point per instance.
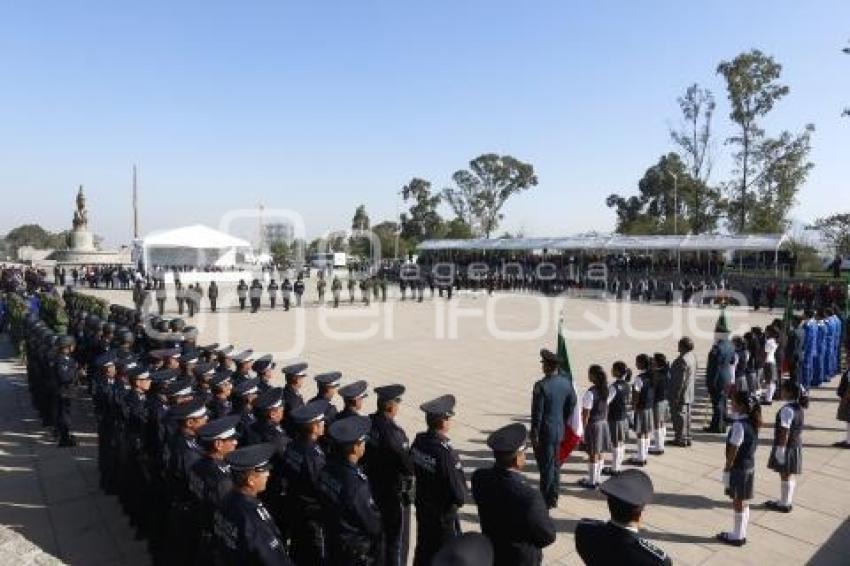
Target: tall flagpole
pixel 135 206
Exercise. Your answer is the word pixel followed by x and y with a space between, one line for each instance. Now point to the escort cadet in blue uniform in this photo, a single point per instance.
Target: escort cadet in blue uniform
pixel 65 373
pixel 513 514
pixel 352 395
pixel 552 403
pixel 390 471
pixel 617 541
pixel 302 463
pixel 292 398
pixel 352 522
pixel 718 375
pixel 440 482
pixel 244 528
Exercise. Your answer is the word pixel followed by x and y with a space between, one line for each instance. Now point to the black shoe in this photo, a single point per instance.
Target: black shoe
pixel 583 482
pixel 776 506
pixel 656 451
pixel 635 462
pixel 710 430
pixel 726 538
pixel 609 471
pixel 842 444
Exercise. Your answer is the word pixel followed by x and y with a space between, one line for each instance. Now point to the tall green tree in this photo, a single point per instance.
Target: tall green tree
pixel 835 229
pixel 421 221
pixel 360 221
pixel 482 190
pixel 664 203
pixel 388 234
pixel 753 88
pixel 280 252
pixel 694 139
pixel 784 165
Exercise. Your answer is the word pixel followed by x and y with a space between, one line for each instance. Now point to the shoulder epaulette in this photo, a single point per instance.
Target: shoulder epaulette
pixel 652 549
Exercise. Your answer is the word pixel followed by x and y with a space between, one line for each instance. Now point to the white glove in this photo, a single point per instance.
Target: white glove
pixel 779 455
pixel 726 480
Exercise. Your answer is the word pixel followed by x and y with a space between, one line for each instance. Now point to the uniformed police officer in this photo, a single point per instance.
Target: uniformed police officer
pixel 513 514
pixel 270 412
pixel 292 399
pixel 212 295
pixel 302 463
pixel 64 374
pixel 242 293
pixel 351 519
pixel 468 549
pixel 244 528
pixel 617 541
pixel 221 386
pixel 352 395
pixel 263 367
pixel 285 293
pixel 298 288
pixel 328 384
pixel 336 289
pixel 243 361
pixel 209 477
pixel 440 483
pixel 244 394
pixel 272 289
pixel 552 404
pixel 390 471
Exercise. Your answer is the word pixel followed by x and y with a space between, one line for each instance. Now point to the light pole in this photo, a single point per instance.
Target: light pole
pixel 676 217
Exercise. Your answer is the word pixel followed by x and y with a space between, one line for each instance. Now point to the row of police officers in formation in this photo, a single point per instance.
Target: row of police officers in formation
pixel 214 464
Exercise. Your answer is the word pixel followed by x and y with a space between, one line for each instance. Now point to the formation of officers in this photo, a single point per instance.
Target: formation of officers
pixel 214 464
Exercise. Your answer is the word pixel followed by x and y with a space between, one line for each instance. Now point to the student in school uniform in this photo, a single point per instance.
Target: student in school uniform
pixel 786 457
pixel 643 395
pixel 769 373
pixel 594 416
pixel 739 471
pixel 745 380
pixel 618 418
pixel 660 405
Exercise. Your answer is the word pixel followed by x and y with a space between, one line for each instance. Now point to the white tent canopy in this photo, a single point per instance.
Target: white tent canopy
pixel 617 243
pixel 195 245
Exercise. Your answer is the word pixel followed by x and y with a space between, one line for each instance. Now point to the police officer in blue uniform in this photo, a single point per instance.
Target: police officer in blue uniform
pixel 513 514
pixel 264 369
pixel 302 463
pixel 65 373
pixel 617 541
pixel 244 528
pixel 440 482
pixel 352 395
pixel 244 395
pixel 552 404
pixel 351 521
pixel 390 471
pixel 292 398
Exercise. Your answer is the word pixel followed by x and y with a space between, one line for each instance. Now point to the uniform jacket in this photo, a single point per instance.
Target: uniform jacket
pixel 248 533
pixel 513 516
pixel 683 372
pixel 552 404
pixel 604 544
pixel 440 483
pixel 718 371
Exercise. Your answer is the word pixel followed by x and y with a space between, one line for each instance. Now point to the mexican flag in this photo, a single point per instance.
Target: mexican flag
pixel 573 428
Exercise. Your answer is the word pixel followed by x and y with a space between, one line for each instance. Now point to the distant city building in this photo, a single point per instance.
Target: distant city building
pixel 278 232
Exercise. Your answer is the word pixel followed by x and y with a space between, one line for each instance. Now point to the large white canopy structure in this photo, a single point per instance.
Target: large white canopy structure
pixel 617 243
pixel 195 245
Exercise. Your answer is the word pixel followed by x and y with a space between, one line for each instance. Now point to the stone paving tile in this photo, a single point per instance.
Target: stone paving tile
pixel 492 379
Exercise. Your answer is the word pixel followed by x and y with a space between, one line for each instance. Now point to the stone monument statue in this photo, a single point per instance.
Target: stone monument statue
pixel 80 238
pixel 81 215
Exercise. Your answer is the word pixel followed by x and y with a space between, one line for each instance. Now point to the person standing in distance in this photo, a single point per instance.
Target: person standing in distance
pixel 513 514
pixel 440 483
pixel 552 403
pixel 718 375
pixel 616 541
pixel 683 372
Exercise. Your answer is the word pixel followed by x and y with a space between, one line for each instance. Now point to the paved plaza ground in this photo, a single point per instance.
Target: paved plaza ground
pixel 484 350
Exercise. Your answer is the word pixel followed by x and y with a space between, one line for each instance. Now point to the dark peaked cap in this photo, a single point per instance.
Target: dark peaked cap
pixel 389 392
pixel 443 406
pixel 254 457
pixel 219 429
pixel 508 439
pixel 632 486
pixel 350 429
pixel 354 390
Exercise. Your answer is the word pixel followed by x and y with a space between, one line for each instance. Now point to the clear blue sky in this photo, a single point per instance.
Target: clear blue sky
pixel 321 105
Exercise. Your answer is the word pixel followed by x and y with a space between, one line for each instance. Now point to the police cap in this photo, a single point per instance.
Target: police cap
pixel 256 458
pixel 204 368
pixel 164 376
pixel 139 373
pixel 356 390
pixel 350 429
pixel 298 369
pixel 508 439
pixel 390 392
pixel 189 358
pixel 631 486
pixel 194 409
pixel 209 347
pixel 441 406
pixel 243 356
pixel 65 341
pixel 179 388
pixel 219 429
pixel 269 399
pixel 220 378
pixel 263 363
pixel 311 412
pixel 246 387
pixel 329 379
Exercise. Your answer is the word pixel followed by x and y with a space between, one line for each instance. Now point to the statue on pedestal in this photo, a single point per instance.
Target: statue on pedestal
pixel 81 216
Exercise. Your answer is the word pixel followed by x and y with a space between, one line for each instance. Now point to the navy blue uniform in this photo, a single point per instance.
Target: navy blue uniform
pixel 247 534
pixel 513 516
